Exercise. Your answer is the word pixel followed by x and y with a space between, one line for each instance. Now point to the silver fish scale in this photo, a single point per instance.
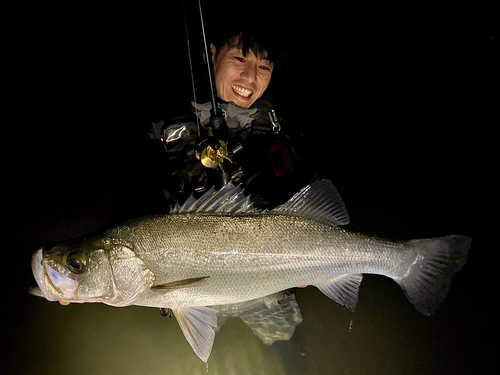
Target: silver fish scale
pixel 250 256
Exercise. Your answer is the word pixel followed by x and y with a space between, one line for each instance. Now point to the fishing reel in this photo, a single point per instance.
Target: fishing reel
pixel 212 152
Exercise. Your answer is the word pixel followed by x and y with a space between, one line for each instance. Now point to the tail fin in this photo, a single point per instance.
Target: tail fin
pixel 427 282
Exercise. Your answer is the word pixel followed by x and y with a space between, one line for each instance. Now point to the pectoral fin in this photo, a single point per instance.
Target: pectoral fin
pixel 196 323
pixel 179 284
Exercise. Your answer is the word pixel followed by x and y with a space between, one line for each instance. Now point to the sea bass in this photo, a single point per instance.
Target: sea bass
pixel 218 250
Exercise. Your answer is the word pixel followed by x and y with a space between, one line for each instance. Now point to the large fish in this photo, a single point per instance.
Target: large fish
pixel 218 250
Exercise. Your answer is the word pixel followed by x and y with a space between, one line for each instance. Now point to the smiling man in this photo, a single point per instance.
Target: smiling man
pixel 241 75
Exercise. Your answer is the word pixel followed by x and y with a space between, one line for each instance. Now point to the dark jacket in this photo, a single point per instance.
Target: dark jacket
pixel 264 157
pixel 267 160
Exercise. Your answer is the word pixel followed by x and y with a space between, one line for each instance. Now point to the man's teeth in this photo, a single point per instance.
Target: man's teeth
pixel 242 91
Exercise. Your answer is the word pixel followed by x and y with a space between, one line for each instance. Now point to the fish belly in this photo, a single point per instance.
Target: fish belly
pixel 251 256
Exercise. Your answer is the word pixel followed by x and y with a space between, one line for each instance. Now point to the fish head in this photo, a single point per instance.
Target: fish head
pixel 72 272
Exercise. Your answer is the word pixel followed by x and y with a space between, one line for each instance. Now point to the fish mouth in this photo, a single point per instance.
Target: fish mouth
pixel 242 91
pixel 38 272
pixel 51 284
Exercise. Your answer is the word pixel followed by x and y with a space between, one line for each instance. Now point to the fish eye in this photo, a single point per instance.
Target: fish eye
pixel 75 263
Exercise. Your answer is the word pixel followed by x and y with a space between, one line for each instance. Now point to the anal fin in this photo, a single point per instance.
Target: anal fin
pixel 343 289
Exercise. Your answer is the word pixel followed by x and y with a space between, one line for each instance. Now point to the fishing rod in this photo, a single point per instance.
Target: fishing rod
pixel 208 60
pixel 216 112
pixel 212 151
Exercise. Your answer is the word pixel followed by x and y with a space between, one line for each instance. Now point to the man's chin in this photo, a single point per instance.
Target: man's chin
pixel 243 103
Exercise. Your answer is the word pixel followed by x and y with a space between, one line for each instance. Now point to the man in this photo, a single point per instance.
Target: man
pixel 250 148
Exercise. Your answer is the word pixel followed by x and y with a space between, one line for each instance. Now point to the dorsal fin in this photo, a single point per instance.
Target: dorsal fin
pixel 319 201
pixel 229 199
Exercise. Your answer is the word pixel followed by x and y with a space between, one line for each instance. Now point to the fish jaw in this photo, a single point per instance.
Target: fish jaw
pixel 51 284
pixel 37 268
pixel 65 285
pixel 36 291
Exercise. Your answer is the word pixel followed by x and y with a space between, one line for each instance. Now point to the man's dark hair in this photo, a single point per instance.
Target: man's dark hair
pixel 247 37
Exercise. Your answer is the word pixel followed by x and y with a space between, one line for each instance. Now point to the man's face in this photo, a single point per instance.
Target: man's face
pixel 240 79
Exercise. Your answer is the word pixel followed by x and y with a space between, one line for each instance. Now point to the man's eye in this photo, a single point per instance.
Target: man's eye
pixel 263 67
pixel 240 59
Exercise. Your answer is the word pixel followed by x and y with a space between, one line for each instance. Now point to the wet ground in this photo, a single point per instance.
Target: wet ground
pixel 408 164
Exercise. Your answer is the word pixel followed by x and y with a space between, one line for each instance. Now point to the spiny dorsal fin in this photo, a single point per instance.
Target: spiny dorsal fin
pixel 229 199
pixel 319 201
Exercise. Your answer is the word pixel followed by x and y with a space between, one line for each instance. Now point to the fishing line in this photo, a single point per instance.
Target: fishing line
pixel 207 59
pixel 191 68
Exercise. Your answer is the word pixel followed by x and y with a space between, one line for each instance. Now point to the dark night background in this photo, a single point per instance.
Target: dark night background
pixel 396 104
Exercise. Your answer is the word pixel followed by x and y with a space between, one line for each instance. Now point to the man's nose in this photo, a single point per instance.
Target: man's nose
pixel 249 73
